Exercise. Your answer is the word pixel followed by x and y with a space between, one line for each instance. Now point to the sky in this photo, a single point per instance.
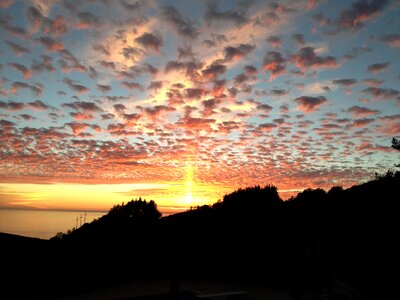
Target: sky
pixel 184 101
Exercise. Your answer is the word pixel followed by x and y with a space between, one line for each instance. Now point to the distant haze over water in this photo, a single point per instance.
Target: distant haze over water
pixel 42 224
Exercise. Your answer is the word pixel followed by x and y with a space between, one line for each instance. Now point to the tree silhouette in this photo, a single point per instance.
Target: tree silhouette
pixel 396 143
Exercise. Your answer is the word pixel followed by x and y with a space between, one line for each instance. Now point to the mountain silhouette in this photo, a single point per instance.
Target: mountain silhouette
pixel 304 245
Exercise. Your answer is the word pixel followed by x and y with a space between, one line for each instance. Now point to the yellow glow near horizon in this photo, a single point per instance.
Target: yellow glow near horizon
pixel 170 197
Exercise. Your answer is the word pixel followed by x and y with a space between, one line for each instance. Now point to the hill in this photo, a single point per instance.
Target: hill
pixel 303 245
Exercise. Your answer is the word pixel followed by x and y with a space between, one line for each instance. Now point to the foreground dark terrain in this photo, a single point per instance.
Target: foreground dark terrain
pixel 316 243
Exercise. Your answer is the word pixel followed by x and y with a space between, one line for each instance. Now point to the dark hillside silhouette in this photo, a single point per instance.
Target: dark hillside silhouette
pixel 317 242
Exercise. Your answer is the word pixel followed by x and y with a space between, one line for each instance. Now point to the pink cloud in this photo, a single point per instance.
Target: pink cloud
pixel 131 119
pixel 392 40
pixel 51 44
pixel 379 67
pixel 17 48
pixel 150 41
pixel 38 105
pixel 390 125
pixel 86 20
pixel 12 106
pixel 306 59
pixel 238 52
pixel 311 4
pixel 80 89
pixel 5 3
pixel 309 104
pixel 359 12
pixel 78 128
pixel 26 73
pixel 274 63
pixel 275 42
pixel 381 93
pixel 363 122
pixel 36 89
pixel 359 111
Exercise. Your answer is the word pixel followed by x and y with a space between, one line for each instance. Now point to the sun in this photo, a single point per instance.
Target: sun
pixel 188 197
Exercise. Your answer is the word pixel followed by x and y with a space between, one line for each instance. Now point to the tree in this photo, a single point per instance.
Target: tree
pixel 396 143
pixel 136 210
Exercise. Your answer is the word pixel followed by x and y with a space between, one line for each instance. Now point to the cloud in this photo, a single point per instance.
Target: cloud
pixel 359 12
pixel 14 30
pixel 309 104
pixel 131 119
pixel 78 128
pixel 155 111
pixel 299 39
pixel 264 107
pixel 373 81
pixel 103 88
pixel 150 41
pixel 267 126
pixel 38 105
pixel 50 44
pixel 155 85
pixel 275 42
pixel 360 111
pixel 86 20
pixel 390 125
pixel 311 4
pixel 345 82
pixel 196 124
pixel 379 67
pixel 44 65
pixel 381 93
pixel 363 122
pixel 214 16
pixel 214 70
pixel 12 106
pixel 26 73
pixel 132 85
pixel 27 117
pixel 36 89
pixel 56 26
pixel 194 93
pixel 120 108
pixel 274 63
pixel 306 58
pixel 68 62
pixel 131 53
pixel 182 25
pixel 35 17
pixel 321 19
pixel 279 92
pixel 392 40
pixel 83 106
pixel 5 3
pixel 239 52
pixel 209 106
pixel 17 48
pixel 107 64
pixel 216 40
pixel 316 88
pixel 80 89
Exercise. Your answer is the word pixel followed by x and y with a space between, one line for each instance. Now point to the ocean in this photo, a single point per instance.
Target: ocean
pixel 42 224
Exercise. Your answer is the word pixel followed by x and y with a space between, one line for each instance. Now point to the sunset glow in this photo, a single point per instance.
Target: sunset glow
pixel 182 102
